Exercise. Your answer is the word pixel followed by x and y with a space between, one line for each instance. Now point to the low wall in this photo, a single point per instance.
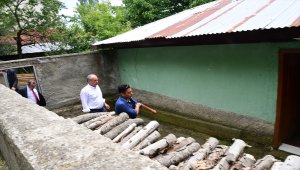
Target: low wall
pixel 212 121
pixel 61 77
pixel 32 137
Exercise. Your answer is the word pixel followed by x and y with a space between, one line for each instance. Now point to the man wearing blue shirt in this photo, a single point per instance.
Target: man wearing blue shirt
pixel 126 103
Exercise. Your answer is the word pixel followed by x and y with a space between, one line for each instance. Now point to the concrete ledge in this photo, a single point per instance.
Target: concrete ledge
pixel 33 137
pixel 242 126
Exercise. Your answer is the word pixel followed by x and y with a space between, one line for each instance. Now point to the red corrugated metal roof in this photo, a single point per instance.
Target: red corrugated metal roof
pixel 218 17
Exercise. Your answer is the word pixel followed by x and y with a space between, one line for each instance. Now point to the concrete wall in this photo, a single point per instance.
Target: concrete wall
pixel 238 78
pixel 62 77
pixel 31 137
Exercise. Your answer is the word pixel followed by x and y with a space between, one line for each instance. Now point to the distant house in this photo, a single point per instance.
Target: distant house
pixel 38 47
pixel 229 60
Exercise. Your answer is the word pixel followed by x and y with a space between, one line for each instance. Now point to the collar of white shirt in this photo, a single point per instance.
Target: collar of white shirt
pixel 30 94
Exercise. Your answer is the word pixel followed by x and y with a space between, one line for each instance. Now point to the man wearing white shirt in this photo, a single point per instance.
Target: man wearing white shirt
pixel 31 93
pixel 91 96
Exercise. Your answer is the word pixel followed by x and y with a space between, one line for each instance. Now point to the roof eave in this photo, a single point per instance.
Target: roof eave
pixel 287 34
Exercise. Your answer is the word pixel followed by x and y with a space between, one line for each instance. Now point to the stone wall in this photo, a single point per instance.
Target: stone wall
pixel 61 77
pixel 32 137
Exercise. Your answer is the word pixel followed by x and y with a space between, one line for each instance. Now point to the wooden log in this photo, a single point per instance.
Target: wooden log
pixel 135 131
pixel 156 147
pixel 212 159
pixel 223 164
pixel 97 119
pixel 178 167
pixel 245 162
pixel 100 122
pixel 121 127
pixel 113 123
pixel 294 161
pixel 124 133
pixel 291 162
pixel 231 155
pixel 202 153
pixel 179 139
pixel 278 166
pixel 141 135
pixel 235 150
pixel 181 144
pixel 174 158
pixel 173 167
pixel 88 116
pixel 265 163
pixel 153 137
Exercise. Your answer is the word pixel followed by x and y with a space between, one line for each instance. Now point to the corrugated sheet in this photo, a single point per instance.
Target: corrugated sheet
pixel 222 16
pixel 38 48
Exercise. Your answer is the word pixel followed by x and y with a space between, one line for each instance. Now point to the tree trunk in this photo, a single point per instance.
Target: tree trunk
pixel 232 154
pixel 113 123
pixel 205 149
pixel 87 123
pixel 173 167
pixel 100 122
pixel 141 135
pixel 88 116
pixel 265 163
pixel 223 164
pixel 235 150
pixel 177 156
pixel 154 148
pixel 279 166
pixel 154 136
pixel 135 131
pixel 291 162
pixel 179 139
pixel 212 158
pixel 19 44
pixel 245 162
pixel 121 127
pixel 181 144
pixel 124 133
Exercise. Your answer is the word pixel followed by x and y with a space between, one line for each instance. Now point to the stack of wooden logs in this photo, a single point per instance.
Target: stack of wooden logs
pixel 178 153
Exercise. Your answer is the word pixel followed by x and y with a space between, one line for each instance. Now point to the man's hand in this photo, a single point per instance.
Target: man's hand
pixel 106 106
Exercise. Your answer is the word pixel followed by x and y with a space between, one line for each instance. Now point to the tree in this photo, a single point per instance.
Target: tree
pixel 92 22
pixel 141 12
pixel 102 20
pixel 35 19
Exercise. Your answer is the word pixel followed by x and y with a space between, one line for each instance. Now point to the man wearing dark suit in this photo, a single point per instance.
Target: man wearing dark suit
pixel 31 93
pixel 12 79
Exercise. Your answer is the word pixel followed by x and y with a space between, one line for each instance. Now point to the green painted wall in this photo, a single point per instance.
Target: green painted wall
pixel 237 78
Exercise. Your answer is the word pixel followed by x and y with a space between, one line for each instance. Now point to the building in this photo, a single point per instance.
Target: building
pixel 233 62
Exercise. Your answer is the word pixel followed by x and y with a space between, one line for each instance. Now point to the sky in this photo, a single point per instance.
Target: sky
pixel 71 5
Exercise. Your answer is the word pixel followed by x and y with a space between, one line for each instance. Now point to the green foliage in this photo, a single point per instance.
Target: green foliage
pixel 102 20
pixel 93 21
pixel 194 3
pixel 141 12
pixel 27 17
pixel 7 49
pixel 70 39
